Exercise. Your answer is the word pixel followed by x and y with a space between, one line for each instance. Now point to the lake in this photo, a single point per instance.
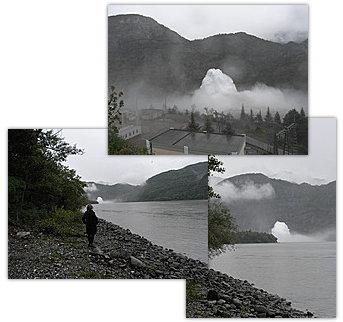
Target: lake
pixel 179 225
pixel 304 273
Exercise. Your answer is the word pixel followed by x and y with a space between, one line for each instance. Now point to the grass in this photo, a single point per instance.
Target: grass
pixel 64 223
pixel 193 291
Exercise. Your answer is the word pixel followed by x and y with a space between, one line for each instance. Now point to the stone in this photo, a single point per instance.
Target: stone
pixel 237 302
pixel 260 309
pixel 212 295
pixel 136 262
pixel 221 301
pixel 23 234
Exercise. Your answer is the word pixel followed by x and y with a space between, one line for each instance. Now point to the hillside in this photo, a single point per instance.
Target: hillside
pixel 187 183
pixel 150 59
pixel 303 207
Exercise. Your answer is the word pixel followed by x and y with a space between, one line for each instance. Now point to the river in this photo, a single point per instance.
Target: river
pixel 178 225
pixel 304 273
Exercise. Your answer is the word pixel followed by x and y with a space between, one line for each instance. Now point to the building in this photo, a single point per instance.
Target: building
pixel 130 131
pixel 151 114
pixel 175 141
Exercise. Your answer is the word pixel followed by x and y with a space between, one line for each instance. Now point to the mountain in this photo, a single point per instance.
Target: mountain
pixel 187 183
pixel 148 58
pixel 303 207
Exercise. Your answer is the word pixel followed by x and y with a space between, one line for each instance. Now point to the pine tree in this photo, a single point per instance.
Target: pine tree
pixel 302 113
pixel 259 118
pixel 192 125
pixel 277 118
pixel 268 117
pixel 243 115
pixel 251 115
pixel 208 124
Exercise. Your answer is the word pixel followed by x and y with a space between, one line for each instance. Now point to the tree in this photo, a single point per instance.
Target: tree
pixel 228 130
pixel 214 165
pixel 37 177
pixel 115 103
pixel 221 228
pixel 208 122
pixel 220 222
pixel 277 118
pixel 302 113
pixel 292 116
pixel 243 115
pixel 119 146
pixel 259 118
pixel 268 118
pixel 192 125
pixel 251 117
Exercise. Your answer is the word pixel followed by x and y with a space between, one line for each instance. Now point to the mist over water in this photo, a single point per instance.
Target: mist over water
pixel 219 90
pixel 284 235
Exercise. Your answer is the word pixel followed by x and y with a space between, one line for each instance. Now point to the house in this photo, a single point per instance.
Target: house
pixel 129 131
pixel 175 141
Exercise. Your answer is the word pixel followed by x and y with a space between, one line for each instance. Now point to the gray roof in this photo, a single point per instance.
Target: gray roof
pixel 199 142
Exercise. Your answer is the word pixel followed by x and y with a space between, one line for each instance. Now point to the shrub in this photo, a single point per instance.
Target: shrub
pixel 62 223
pixel 193 292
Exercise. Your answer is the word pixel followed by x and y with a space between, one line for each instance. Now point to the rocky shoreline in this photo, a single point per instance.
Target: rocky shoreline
pixel 121 254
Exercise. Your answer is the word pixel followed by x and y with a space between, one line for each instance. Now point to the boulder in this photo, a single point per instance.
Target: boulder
pixel 212 295
pixel 136 262
pixel 23 234
pixel 260 309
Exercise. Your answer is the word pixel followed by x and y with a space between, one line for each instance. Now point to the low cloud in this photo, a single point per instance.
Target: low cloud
pixel 91 187
pixel 249 191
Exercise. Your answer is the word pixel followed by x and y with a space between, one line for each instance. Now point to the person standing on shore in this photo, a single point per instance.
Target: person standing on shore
pixel 90 219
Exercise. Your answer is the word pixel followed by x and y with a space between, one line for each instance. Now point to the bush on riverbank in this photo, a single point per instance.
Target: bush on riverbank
pixel 62 223
pixel 221 228
pixel 253 237
pixel 193 291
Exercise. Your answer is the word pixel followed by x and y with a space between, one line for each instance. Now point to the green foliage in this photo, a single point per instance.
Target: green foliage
pixel 192 125
pixel 221 228
pixel 37 178
pixel 268 118
pixel 214 165
pixel 193 291
pixel 243 115
pixel 119 146
pixel 277 118
pixel 253 237
pixel 115 103
pixel 62 223
pixel 208 124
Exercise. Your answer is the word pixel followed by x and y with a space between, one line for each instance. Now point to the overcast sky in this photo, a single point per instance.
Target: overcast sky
pixel 200 21
pixel 96 165
pixel 319 164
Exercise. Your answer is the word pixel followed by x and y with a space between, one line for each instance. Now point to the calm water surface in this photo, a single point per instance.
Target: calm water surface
pixel 304 273
pixel 179 225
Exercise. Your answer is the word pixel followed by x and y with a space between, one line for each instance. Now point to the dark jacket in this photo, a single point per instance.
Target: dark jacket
pixel 90 219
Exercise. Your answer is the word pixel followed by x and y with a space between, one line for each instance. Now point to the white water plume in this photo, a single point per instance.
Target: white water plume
pixel 283 234
pixel 219 90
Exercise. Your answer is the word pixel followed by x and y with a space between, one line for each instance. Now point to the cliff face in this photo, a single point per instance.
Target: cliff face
pixel 151 59
pixel 303 207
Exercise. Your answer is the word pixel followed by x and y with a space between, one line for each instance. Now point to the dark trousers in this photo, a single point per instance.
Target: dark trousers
pixel 90 239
